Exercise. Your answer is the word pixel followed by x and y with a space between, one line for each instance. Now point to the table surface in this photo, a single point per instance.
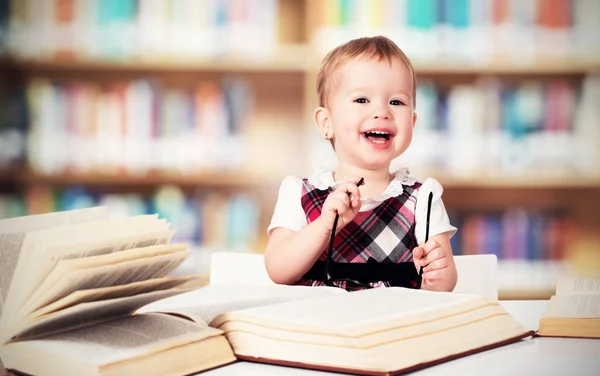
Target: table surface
pixel 537 356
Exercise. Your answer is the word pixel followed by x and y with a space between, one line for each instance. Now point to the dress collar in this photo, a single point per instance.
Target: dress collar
pixel 322 178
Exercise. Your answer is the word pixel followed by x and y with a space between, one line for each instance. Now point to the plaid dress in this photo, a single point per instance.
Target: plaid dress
pixel 385 233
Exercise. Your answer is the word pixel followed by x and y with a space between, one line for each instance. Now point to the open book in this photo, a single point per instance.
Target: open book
pixel 96 298
pixel 378 331
pixel 69 285
pixel 574 311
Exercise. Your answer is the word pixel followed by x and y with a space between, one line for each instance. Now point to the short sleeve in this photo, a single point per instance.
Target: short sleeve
pixel 288 211
pixel 438 221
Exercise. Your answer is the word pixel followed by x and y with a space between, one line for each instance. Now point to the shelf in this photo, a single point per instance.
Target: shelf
pixel 243 179
pixel 287 59
pixel 543 67
pixel 212 179
pixel 519 182
pixel 292 58
pixel 525 294
pixel 530 279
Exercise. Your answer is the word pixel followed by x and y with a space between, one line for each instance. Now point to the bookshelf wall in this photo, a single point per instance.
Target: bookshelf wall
pixel 198 109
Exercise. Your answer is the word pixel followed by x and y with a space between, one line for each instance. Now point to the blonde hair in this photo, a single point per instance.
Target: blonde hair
pixel 379 48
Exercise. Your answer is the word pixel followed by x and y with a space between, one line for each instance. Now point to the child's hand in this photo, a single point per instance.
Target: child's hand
pixel 437 262
pixel 345 201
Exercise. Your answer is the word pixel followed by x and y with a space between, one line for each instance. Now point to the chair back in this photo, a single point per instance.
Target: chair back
pixel 477 274
pixel 237 268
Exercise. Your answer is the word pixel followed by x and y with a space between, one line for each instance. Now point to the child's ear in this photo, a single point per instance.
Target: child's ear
pixel 323 122
pixel 414 119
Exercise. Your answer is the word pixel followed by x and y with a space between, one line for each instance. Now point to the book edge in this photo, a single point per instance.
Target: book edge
pixel 415 367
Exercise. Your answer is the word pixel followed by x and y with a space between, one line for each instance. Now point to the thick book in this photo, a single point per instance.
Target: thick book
pixel 574 310
pixel 97 298
pixel 372 332
pixel 70 283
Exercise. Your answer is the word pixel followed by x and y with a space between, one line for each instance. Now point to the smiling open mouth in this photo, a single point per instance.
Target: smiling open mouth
pixel 377 136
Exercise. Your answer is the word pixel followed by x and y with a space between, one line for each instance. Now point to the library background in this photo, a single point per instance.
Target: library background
pixel 197 109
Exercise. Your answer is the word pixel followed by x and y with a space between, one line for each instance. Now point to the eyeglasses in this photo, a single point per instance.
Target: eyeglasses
pixel 346 284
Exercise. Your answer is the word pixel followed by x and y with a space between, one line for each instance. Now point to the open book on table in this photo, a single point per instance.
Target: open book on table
pixel 69 285
pixel 574 310
pixel 378 331
pixel 75 287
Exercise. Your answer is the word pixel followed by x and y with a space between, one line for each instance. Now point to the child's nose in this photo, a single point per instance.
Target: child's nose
pixel 381 112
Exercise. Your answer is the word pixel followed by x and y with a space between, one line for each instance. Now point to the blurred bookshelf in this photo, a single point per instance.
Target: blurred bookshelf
pixel 218 180
pixel 291 58
pixel 198 109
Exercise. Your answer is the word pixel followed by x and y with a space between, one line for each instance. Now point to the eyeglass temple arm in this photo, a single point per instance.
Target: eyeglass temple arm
pixel 330 250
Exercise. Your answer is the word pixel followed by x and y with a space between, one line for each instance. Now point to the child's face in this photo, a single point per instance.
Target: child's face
pixel 371 112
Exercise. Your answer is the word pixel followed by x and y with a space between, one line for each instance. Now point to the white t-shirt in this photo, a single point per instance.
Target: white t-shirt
pixel 290 214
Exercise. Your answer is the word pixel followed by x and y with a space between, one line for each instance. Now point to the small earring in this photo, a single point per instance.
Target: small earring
pixel 326 135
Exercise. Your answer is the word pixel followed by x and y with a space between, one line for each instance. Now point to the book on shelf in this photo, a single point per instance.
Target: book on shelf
pixel 70 283
pixel 574 310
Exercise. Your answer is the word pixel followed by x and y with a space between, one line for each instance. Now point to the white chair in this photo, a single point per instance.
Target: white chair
pixel 477 274
pixel 237 268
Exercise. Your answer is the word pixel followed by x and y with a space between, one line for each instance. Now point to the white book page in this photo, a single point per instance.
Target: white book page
pixel 111 292
pixel 577 286
pixel 107 275
pixel 64 269
pixel 85 314
pixel 120 339
pixel 574 306
pixel 43 221
pixel 357 311
pixel 12 233
pixel 47 247
pixel 203 304
pixel 41 250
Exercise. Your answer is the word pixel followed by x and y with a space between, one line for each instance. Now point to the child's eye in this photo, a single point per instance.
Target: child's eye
pixel 361 100
pixel 396 102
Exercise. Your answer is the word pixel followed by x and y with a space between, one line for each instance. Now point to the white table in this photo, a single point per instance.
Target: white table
pixel 537 356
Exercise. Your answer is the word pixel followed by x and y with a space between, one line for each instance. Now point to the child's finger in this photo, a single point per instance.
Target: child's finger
pixel 342 197
pixel 340 207
pixel 430 245
pixel 351 179
pixel 417 254
pixel 356 204
pixel 440 263
pixel 434 274
pixel 430 257
pixel 353 191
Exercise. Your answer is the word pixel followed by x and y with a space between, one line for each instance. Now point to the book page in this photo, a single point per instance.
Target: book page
pixel 121 338
pixel 85 314
pixel 108 275
pixel 574 306
pixel 66 266
pixel 203 304
pixel 359 310
pixel 48 220
pixel 111 292
pixel 42 249
pixel 12 233
pixel 577 286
